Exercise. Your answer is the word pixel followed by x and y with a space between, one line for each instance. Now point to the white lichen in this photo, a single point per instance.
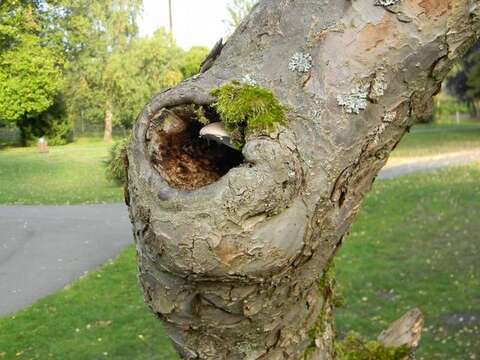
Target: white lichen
pixel 380 129
pixel 389 116
pixel 316 110
pixel 386 2
pixel 249 80
pixel 379 85
pixel 355 101
pixel 378 132
pixel 300 62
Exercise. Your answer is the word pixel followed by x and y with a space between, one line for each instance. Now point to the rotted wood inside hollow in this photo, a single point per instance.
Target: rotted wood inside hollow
pixel 184 159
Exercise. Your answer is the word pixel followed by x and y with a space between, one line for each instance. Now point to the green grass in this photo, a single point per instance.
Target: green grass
pixel 75 173
pixel 101 316
pixel 70 174
pixel 415 244
pixel 434 139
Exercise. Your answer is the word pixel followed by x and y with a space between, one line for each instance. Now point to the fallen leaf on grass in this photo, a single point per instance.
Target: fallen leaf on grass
pixel 103 323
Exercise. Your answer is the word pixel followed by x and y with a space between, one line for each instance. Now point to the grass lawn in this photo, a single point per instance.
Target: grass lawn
pixel 75 173
pixel 414 244
pixel 101 316
pixel 435 139
pixel 70 174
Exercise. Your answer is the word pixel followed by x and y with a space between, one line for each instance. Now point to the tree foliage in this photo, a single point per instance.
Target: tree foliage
pixel 75 61
pixel 192 59
pixel 128 77
pixel 99 31
pixel 30 79
pixel 116 67
pixel 31 64
pixel 151 64
pixel 464 83
pixel 237 10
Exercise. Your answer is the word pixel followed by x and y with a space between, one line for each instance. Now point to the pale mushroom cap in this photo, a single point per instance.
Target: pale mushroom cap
pixel 214 129
pixel 216 132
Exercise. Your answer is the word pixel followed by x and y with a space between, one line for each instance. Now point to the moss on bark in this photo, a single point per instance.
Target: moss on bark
pixel 353 347
pixel 247 109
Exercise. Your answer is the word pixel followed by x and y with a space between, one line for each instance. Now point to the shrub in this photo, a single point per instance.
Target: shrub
pixel 447 107
pixel 117 161
pixel 52 124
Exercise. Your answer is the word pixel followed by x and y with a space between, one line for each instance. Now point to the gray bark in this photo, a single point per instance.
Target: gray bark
pixel 232 263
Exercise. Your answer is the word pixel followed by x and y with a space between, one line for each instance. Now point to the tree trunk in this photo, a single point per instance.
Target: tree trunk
pixel 475 110
pixel 25 132
pixel 233 257
pixel 107 133
pixel 170 17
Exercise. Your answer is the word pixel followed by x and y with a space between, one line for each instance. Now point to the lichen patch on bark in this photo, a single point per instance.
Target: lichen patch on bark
pixel 386 2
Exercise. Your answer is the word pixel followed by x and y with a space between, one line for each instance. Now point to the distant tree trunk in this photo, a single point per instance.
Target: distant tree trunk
pixel 233 248
pixel 474 113
pixel 25 135
pixel 170 17
pixel 107 133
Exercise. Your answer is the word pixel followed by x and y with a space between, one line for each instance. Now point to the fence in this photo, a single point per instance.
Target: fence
pixel 456 118
pixel 96 130
pixel 11 134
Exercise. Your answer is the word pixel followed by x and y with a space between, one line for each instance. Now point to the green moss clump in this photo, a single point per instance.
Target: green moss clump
pixel 353 347
pixel 327 282
pixel 199 112
pixel 247 109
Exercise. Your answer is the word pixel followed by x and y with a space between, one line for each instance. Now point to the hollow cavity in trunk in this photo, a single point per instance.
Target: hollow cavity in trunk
pixel 184 159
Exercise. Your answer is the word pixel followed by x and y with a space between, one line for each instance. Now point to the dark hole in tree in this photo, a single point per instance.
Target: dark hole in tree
pixel 184 159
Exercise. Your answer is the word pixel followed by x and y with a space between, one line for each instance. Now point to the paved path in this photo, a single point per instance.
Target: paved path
pixel 43 248
pixel 429 163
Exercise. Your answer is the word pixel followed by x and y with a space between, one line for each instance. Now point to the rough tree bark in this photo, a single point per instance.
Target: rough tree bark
pixel 233 262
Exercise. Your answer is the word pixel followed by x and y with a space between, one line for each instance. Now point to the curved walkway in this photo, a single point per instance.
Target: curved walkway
pixel 428 163
pixel 44 248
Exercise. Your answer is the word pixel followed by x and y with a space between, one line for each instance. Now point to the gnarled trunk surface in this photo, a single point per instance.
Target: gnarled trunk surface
pixel 233 248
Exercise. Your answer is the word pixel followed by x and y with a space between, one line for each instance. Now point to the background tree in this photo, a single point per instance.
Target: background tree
pixel 473 80
pixel 153 63
pixel 235 248
pixel 30 69
pixel 465 80
pixel 98 90
pixel 99 30
pixel 192 59
pixel 237 10
pixel 77 54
